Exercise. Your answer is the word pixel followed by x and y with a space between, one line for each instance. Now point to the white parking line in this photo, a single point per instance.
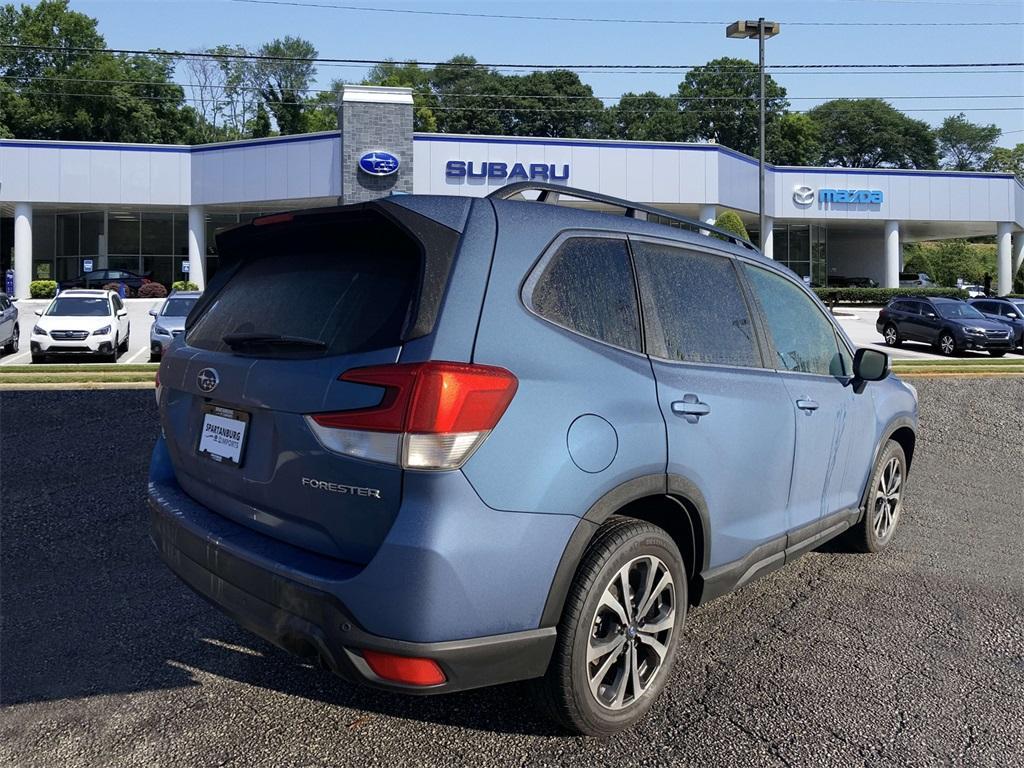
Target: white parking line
pixel 137 355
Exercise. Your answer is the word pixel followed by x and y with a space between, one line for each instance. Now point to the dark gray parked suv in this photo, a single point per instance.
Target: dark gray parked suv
pixel 437 443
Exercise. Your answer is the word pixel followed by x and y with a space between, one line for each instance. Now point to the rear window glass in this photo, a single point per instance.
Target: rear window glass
pixel 348 288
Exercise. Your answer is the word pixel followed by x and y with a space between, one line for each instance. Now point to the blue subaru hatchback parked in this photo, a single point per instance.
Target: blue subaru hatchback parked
pixel 439 443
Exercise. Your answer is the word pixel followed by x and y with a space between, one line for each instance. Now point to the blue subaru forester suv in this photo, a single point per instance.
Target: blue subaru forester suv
pixel 438 443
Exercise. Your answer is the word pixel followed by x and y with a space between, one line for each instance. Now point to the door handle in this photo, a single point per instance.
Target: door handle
pixel 691 408
pixel 806 404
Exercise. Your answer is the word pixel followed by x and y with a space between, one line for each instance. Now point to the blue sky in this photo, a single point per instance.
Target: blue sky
pixel 359 34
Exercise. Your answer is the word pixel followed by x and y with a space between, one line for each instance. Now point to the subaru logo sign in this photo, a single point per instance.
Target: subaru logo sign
pixel 803 195
pixel 379 163
pixel 208 379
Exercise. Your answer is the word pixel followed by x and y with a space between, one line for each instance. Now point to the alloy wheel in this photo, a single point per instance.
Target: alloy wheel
pixel 890 336
pixel 631 632
pixel 947 344
pixel 887 499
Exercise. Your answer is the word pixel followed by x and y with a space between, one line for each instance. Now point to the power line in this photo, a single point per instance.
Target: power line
pixel 532 96
pixel 479 65
pixel 599 20
pixel 478 109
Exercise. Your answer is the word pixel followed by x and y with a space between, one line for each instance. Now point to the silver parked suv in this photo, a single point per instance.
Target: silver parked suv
pixel 169 321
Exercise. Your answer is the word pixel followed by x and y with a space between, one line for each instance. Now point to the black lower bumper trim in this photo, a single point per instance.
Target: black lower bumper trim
pixel 314 624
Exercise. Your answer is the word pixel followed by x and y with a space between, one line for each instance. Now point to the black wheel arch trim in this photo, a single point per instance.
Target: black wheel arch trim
pixel 891 428
pixel 675 487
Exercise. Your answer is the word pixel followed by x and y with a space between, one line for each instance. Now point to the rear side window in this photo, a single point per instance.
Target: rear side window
pixel 348 288
pixel 694 308
pixel 803 338
pixel 587 286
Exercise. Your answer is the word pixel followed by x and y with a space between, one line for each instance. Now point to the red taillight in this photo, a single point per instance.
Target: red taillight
pixel 437 412
pixel 404 669
pixel 277 218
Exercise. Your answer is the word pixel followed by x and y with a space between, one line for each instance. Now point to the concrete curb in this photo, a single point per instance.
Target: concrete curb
pixel 28 386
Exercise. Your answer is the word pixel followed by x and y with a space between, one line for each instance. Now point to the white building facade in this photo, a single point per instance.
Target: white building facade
pixel 68 206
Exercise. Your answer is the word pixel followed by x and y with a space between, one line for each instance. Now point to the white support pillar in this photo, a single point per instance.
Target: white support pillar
pixel 197 245
pixel 892 254
pixel 708 215
pixel 769 237
pixel 1004 283
pixel 22 249
pixel 1016 253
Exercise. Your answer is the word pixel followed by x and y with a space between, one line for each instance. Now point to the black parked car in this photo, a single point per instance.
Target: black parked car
pixel 100 277
pixel 950 325
pixel 1010 312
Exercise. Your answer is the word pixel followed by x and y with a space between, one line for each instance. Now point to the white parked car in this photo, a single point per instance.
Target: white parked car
pixel 81 322
pixel 975 291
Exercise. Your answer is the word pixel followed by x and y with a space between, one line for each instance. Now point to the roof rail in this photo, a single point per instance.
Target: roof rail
pixel 549 193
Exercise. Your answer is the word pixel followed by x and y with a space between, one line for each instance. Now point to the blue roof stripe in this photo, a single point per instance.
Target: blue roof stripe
pixel 184 148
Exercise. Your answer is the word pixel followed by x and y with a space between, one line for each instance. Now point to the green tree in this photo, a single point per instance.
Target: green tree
pixel 794 139
pixel 730 221
pixel 946 261
pixel 469 98
pixel 871 133
pixel 720 100
pixel 283 79
pixel 648 116
pixel 322 110
pixel 1007 160
pixel 552 103
pixel 84 94
pixel 963 145
pixel 260 127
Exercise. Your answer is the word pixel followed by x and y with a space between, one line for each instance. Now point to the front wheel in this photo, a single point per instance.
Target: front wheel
pixel 619 629
pixel 885 501
pixel 947 344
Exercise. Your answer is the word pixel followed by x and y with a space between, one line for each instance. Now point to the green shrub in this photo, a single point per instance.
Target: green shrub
pixel 730 221
pixel 42 289
pixel 881 295
pixel 151 291
pixel 184 285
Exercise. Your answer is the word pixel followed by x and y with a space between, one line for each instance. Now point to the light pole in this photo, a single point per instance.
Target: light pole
pixel 762 30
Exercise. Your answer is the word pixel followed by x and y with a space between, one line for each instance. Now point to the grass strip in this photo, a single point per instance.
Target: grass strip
pixel 91 367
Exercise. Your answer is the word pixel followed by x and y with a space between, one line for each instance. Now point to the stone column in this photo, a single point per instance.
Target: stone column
pixel 375 119
pixel 197 245
pixel 22 249
pixel 892 254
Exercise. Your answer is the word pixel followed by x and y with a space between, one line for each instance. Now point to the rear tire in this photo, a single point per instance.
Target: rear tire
pixel 885 501
pixel 997 352
pixel 12 346
pixel 37 358
pixel 891 335
pixel 610 664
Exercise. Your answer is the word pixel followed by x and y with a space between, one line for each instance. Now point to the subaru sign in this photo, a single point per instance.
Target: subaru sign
pixel 460 169
pixel 379 163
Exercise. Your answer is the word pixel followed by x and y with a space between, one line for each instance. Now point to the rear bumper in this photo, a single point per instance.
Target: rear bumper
pixel 299 600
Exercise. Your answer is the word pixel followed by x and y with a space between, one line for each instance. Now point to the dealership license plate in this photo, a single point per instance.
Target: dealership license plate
pixel 223 435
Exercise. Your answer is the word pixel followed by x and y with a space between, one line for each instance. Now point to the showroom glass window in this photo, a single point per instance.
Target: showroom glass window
pixel 804 340
pixel 694 309
pixel 587 286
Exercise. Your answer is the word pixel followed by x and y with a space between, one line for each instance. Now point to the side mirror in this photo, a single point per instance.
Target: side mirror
pixel 870 365
pixel 929 314
pixel 153 313
pixel 39 313
pixel 122 313
pixel 1012 315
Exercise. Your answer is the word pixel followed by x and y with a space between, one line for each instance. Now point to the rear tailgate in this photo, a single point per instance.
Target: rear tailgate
pixel 348 285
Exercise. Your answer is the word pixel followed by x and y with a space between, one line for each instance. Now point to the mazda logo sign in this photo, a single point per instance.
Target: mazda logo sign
pixel 803 195
pixel 207 380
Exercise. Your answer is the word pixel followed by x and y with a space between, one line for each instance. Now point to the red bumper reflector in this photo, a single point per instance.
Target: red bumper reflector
pixel 274 218
pixel 403 669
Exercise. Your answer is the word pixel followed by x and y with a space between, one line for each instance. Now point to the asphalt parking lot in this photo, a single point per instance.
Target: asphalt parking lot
pixel 138 341
pixel 910 658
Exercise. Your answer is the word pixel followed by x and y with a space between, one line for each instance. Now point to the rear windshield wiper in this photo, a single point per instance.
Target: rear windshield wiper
pixel 239 340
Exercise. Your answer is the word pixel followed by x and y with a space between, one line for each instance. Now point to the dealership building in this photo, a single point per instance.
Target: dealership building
pixel 66 207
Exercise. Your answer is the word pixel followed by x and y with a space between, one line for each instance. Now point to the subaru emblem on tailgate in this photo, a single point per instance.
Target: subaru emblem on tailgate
pixel 208 380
